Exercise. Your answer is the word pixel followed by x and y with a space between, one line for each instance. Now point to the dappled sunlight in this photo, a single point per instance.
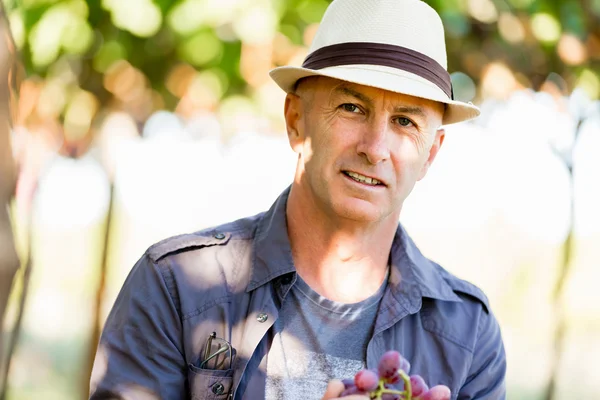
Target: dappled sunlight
pixel 101 362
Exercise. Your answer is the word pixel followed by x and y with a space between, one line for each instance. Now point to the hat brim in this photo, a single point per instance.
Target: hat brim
pixel 381 77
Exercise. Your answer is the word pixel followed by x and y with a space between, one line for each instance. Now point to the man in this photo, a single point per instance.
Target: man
pixel 276 305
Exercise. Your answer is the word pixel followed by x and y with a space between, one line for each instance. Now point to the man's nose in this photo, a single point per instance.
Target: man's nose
pixel 373 144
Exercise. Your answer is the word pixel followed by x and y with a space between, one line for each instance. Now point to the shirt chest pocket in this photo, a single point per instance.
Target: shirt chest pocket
pixel 208 384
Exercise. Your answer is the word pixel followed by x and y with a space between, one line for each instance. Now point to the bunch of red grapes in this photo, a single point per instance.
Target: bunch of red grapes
pixel 392 370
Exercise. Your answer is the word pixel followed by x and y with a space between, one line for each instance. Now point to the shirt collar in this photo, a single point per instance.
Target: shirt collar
pixel 272 253
pixel 412 275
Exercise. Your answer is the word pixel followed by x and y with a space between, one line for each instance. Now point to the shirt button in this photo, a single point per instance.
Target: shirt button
pixel 262 317
pixel 218 388
pixel 219 236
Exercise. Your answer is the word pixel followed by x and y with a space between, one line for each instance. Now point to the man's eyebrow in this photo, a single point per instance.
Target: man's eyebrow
pixel 351 92
pixel 415 110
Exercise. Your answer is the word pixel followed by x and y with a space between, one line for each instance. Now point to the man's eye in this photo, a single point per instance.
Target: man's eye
pixel 350 108
pixel 404 121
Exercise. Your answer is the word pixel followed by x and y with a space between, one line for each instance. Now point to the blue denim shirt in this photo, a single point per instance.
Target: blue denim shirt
pixel 232 280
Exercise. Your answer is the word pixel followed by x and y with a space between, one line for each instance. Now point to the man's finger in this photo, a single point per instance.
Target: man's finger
pixel 335 389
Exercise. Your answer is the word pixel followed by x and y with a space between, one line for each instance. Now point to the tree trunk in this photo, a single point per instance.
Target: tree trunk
pixel 9 262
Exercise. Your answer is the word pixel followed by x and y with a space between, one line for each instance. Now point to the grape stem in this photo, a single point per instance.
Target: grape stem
pixel 407 385
pixel 380 390
pixel 405 395
pixel 392 391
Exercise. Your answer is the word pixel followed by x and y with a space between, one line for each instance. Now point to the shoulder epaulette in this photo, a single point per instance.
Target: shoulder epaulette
pixel 187 241
pixel 461 286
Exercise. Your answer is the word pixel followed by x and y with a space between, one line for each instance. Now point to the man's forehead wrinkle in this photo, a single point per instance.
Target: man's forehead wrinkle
pixel 346 88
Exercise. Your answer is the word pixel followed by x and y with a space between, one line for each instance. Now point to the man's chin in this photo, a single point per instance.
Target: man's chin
pixel 359 211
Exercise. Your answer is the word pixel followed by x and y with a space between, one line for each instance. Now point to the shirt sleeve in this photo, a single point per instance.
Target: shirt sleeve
pixel 140 354
pixel 486 380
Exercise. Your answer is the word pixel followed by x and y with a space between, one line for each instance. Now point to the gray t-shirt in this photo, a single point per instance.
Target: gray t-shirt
pixel 316 340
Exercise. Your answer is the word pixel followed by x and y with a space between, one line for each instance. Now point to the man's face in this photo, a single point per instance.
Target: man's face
pixel 361 149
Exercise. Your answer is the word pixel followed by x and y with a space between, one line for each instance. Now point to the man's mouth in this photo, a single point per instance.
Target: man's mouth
pixel 363 179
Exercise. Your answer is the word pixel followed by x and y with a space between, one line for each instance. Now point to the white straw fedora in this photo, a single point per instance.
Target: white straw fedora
pixel 396 45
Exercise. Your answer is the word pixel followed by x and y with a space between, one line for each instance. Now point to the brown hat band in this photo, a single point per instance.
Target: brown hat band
pixel 387 55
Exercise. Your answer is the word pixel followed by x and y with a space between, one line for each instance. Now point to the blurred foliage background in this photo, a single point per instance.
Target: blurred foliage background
pixel 144 55
pixel 100 78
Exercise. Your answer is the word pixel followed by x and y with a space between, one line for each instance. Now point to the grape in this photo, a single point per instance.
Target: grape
pixel 388 377
pixel 389 363
pixel 418 385
pixel 404 365
pixel 439 392
pixel 395 378
pixel 366 380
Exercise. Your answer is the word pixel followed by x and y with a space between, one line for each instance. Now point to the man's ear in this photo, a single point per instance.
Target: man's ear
pixel 440 134
pixel 293 110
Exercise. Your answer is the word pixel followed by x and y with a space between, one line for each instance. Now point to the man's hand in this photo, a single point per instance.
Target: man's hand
pixel 335 389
